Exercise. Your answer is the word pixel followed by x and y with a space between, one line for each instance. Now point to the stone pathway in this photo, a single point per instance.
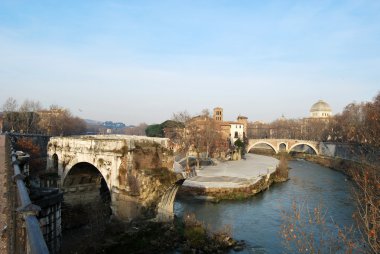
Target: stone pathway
pixel 3 197
pixel 233 174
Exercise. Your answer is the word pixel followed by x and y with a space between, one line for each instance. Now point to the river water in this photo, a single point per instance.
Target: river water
pixel 258 220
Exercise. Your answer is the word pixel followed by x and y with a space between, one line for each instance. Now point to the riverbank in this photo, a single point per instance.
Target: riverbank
pixel 347 167
pixel 183 235
pixel 232 179
pixel 258 219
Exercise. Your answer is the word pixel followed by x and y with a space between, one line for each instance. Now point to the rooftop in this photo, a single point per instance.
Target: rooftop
pixel 320 106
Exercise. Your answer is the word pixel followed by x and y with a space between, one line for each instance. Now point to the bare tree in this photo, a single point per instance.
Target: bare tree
pixel 211 137
pixel 367 196
pixel 28 115
pixel 201 135
pixel 358 124
pixel 10 108
pixel 182 117
pixel 306 230
pixel 137 130
pixel 59 121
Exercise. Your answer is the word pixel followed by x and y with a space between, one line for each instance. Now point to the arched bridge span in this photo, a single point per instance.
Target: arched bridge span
pixel 285 145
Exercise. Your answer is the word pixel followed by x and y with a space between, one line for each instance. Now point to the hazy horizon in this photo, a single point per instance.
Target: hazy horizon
pixel 142 61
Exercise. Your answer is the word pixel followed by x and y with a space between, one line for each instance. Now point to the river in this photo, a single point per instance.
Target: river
pixel 258 220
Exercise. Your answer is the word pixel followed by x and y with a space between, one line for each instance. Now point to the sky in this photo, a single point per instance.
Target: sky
pixel 141 61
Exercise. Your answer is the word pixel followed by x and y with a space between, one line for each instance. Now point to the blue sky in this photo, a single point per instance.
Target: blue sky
pixel 140 61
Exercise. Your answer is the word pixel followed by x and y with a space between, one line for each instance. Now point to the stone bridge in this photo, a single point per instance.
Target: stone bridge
pixel 284 145
pixel 134 174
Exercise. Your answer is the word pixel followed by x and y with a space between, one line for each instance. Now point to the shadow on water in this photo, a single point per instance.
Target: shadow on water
pixel 257 220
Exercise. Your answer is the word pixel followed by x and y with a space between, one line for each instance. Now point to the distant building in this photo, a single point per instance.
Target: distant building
pixel 229 129
pixel 218 114
pixel 112 125
pixel 320 109
pixel 243 120
pixel 48 118
pixel 236 131
pixel 306 128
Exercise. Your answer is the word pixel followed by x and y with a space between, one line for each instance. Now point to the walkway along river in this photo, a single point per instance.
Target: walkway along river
pixel 257 220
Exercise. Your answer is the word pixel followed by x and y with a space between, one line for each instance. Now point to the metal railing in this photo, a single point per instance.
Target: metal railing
pixel 35 242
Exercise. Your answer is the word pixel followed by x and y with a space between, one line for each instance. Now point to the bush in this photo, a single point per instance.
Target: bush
pixel 282 171
pixel 154 130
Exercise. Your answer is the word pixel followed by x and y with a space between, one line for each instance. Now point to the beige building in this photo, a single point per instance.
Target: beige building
pixel 230 129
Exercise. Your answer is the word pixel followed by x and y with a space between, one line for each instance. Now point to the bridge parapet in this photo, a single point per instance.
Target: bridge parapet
pixel 29 217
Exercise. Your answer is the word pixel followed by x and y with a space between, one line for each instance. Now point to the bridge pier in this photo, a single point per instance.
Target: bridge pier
pixel 125 207
pixel 165 209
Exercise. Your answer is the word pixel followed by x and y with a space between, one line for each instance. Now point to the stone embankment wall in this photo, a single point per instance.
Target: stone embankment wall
pixel 359 153
pixel 246 191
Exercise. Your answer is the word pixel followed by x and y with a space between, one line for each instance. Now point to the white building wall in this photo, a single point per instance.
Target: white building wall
pixel 319 114
pixel 239 128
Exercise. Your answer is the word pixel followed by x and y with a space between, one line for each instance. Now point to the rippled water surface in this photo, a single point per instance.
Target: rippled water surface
pixel 257 220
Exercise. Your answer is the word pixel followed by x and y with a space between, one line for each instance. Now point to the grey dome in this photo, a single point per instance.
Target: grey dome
pixel 320 106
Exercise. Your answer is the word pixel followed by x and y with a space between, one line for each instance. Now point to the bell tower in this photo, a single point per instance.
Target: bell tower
pixel 218 114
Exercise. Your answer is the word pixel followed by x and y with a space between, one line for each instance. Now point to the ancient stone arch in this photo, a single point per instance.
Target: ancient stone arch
pixel 82 184
pixel 138 171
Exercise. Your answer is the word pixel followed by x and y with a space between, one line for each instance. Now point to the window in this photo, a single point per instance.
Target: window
pixel 236 134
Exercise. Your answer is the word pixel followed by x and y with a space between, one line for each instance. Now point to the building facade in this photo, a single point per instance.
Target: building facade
pixel 218 114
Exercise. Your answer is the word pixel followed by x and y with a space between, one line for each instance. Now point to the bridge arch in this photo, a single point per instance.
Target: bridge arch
pixel 86 180
pixel 67 164
pixel 304 143
pixel 262 142
pixel 282 147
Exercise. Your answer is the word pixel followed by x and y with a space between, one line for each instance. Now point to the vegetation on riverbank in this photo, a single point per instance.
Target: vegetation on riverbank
pixel 282 170
pixel 366 194
pixel 187 235
pixel 307 230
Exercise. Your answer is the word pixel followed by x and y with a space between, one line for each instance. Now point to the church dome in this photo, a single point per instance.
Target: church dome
pixel 320 106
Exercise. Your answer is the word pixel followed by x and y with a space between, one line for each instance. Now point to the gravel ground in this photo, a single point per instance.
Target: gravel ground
pixel 233 174
pixel 3 198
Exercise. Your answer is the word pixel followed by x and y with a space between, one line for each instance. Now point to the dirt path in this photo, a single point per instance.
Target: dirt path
pixel 3 198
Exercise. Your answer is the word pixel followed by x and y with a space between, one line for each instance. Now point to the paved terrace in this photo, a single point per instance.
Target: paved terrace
pixel 233 174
